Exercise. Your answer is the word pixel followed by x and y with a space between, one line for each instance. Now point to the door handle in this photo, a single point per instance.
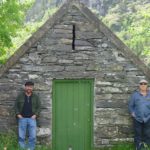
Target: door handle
pixel 70 148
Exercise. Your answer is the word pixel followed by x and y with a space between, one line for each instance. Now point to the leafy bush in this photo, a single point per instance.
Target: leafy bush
pixel 22 34
pixel 132 25
pixel 11 19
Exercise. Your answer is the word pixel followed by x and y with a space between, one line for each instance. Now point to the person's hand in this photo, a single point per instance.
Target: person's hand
pixel 19 116
pixel 133 114
pixel 33 117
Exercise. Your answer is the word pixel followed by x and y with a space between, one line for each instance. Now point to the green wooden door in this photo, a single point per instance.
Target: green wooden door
pixel 72 115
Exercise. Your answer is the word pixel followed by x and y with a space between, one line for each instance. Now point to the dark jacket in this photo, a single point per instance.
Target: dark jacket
pixel 36 104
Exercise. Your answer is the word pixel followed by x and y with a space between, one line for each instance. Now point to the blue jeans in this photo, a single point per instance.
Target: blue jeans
pixel 27 125
pixel 142 134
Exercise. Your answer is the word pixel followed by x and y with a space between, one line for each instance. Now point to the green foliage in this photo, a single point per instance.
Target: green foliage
pixel 131 22
pixel 124 146
pixel 10 142
pixel 23 33
pixel 137 33
pixel 11 19
pixel 120 146
pixel 43 147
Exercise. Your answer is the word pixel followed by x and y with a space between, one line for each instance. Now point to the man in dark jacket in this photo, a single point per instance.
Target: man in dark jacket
pixel 27 108
pixel 139 107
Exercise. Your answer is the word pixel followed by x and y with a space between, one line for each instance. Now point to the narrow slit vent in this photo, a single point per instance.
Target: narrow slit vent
pixel 73 36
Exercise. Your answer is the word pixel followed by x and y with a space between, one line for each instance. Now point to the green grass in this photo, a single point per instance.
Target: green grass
pixel 43 147
pixel 10 142
pixel 121 146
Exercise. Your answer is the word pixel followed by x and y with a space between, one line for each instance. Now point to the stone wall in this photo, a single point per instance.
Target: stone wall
pixel 94 57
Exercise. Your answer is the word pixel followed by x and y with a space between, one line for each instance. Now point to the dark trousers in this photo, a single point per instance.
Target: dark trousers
pixel 142 134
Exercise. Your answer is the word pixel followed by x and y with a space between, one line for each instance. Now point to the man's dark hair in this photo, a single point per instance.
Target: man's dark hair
pixel 28 83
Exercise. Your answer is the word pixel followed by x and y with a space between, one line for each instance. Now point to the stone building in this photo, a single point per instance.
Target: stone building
pixel 84 75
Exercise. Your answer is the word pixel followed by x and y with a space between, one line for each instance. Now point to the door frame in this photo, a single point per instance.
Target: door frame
pixel 91 81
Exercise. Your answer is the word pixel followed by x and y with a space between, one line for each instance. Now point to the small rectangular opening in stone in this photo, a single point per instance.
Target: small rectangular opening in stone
pixel 73 36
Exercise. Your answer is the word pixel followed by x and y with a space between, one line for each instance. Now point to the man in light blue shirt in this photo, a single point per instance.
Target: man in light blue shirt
pixel 139 107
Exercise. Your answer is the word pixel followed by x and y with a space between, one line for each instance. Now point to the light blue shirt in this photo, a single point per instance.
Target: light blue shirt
pixel 140 106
